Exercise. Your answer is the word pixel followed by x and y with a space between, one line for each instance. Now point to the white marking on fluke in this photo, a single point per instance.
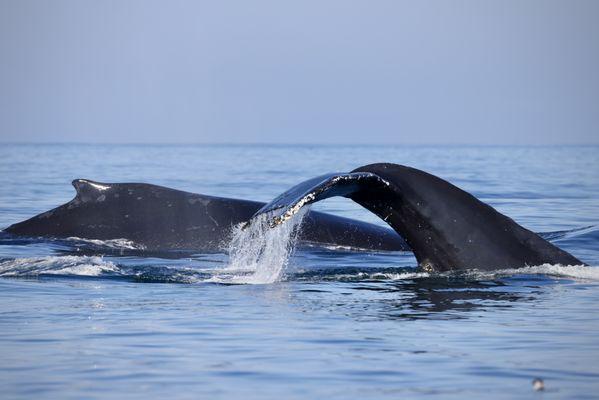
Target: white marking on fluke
pixel 292 211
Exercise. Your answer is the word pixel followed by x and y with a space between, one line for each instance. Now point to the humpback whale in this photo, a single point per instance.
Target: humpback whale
pixel 159 218
pixel 446 227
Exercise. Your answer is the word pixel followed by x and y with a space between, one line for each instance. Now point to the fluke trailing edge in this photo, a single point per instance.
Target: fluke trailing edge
pixel 446 227
pixel 159 218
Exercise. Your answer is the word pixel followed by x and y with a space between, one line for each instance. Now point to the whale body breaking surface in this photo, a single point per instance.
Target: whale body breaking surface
pixel 445 227
pixel 158 218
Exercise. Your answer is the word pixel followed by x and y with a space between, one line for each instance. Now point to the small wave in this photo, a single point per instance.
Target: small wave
pixel 97 266
pixel 392 276
pixel 567 234
pixel 117 244
pixel 401 274
pixel 566 271
pixel 72 241
pixel 56 265
pixel 353 274
pixel 94 266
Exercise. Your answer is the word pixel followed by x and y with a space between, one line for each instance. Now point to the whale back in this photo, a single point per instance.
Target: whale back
pixel 161 218
pixel 151 215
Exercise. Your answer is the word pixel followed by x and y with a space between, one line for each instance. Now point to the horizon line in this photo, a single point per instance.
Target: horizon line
pixel 409 144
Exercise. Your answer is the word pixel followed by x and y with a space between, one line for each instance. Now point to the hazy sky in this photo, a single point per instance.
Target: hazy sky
pixel 498 72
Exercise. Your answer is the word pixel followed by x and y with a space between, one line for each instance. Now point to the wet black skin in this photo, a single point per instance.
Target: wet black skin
pixel 161 218
pixel 446 227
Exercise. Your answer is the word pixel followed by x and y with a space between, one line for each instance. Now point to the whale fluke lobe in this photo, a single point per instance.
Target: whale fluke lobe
pixel 322 187
pixel 446 227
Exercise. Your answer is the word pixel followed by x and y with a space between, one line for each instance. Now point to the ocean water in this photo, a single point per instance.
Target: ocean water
pixel 90 319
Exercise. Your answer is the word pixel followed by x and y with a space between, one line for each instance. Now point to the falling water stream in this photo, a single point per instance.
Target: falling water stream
pixel 259 253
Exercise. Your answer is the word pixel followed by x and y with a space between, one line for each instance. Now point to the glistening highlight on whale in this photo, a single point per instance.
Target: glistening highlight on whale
pixel 159 218
pixel 446 227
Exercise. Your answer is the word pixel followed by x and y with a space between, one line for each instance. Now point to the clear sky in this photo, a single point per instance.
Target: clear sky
pixel 480 72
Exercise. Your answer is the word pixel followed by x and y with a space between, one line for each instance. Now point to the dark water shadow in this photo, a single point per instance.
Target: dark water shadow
pixel 375 295
pixel 442 298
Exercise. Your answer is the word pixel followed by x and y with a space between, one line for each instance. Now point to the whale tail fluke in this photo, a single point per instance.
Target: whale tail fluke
pixel 316 189
pixel 446 227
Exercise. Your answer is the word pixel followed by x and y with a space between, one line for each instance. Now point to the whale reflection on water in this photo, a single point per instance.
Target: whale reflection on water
pixel 425 297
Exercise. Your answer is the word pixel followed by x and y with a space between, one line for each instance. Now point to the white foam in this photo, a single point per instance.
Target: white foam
pixel 400 276
pixel 568 271
pixel 381 275
pixel 56 265
pixel 260 253
pixel 578 272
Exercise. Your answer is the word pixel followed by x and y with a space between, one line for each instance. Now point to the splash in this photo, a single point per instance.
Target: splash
pixel 260 253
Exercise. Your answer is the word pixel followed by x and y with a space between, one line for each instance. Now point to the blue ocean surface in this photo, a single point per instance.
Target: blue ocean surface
pixel 90 319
